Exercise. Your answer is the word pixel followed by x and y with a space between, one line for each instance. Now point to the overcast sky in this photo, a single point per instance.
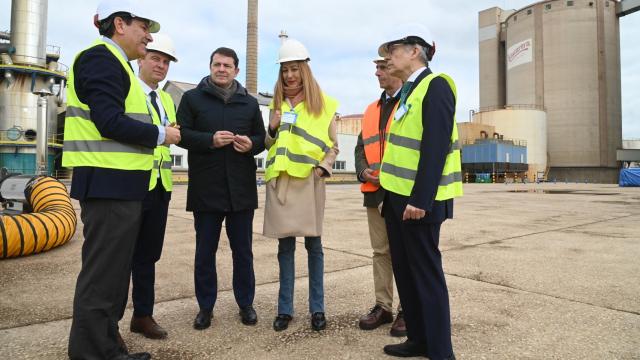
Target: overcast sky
pixel 342 37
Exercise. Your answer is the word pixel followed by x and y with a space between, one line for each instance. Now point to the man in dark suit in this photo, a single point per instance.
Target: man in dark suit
pixel 152 69
pixel 109 140
pixel 222 128
pixel 421 173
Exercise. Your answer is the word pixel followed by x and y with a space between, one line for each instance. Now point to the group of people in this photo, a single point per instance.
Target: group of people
pixel 117 133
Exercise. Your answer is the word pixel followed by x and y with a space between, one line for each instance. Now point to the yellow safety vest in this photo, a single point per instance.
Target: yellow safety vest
pixel 300 147
pixel 402 152
pixel 83 143
pixel 162 155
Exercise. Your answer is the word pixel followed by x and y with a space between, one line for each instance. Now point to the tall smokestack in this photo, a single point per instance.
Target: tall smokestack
pixel 252 47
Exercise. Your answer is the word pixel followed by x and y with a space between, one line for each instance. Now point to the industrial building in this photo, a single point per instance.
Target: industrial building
pixel 550 75
pixel 31 87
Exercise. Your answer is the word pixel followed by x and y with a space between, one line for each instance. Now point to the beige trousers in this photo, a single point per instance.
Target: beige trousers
pixel 382 270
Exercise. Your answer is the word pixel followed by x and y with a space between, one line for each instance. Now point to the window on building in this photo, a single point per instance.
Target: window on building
pixel 547 7
pixel 340 165
pixel 569 2
pixel 529 11
pixel 176 160
pixel 259 162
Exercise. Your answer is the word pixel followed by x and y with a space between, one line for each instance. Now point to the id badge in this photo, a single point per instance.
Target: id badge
pixel 289 117
pixel 402 110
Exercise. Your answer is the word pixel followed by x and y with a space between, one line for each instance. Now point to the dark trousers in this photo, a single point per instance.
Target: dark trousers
pixel 155 207
pixel 110 232
pixel 417 267
pixel 239 226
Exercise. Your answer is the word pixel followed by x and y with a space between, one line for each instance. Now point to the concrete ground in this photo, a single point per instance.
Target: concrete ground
pixel 548 271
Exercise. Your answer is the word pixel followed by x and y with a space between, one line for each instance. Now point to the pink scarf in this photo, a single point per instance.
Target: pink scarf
pixel 294 94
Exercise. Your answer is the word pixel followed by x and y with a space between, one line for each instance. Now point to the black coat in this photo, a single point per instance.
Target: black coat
pixel 220 179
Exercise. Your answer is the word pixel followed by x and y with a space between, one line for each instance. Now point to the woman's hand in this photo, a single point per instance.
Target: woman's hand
pixel 274 122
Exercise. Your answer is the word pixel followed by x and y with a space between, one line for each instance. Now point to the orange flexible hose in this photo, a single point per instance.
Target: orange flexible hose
pixel 52 222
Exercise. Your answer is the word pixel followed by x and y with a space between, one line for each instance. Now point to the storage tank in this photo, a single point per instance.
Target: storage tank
pixel 563 56
pixel 29 31
pixel 526 124
pixel 25 68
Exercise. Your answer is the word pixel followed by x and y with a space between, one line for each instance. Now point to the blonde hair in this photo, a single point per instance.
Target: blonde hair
pixel 312 92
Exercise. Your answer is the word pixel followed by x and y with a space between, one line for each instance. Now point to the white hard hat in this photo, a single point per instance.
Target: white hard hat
pixel 379 59
pixel 292 50
pixel 409 33
pixel 162 43
pixel 108 7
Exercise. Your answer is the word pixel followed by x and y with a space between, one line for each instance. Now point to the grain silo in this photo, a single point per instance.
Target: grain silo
pixel 553 68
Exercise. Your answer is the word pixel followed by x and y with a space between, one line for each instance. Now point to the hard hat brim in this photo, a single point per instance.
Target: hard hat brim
pixel 383 50
pixel 281 61
pixel 171 57
pixel 154 26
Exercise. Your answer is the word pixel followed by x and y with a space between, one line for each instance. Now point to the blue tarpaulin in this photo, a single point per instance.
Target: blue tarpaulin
pixel 630 177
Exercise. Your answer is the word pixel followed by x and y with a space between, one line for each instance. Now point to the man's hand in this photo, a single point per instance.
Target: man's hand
pixel 171 135
pixel 274 122
pixel 319 171
pixel 242 143
pixel 413 213
pixel 222 138
pixel 367 175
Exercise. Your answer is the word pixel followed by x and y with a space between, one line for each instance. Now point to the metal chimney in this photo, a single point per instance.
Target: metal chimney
pixel 283 36
pixel 252 47
pixel 29 32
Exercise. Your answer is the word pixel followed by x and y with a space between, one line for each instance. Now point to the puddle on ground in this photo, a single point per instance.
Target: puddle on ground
pixel 570 192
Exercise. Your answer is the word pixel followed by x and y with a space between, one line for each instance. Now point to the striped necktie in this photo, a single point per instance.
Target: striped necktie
pixel 404 92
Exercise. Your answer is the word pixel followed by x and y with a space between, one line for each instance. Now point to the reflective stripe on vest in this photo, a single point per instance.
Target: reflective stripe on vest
pixel 84 145
pixel 301 146
pixel 373 145
pixel 162 154
pixel 402 154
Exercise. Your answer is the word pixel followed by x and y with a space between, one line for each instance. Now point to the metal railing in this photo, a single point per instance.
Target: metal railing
pixel 511 107
pixel 18 136
pixel 490 140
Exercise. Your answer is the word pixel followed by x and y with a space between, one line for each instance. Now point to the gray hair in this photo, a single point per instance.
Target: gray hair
pixel 422 52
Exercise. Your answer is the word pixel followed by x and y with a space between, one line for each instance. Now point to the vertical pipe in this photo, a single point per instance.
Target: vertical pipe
pixel 41 136
pixel 252 46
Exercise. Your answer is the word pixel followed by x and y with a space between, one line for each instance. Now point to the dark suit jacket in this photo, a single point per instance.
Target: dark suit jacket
pixel 438 110
pixel 220 179
pixel 103 85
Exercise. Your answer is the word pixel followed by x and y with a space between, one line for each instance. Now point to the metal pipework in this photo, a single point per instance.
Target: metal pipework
pixel 41 136
pixel 29 31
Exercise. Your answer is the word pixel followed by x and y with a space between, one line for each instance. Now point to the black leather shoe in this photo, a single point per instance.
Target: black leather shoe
pixel 318 322
pixel 203 319
pixel 248 315
pixel 406 349
pixel 281 322
pixel 136 356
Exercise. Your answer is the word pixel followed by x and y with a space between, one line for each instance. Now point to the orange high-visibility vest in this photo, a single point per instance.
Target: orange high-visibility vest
pixel 373 140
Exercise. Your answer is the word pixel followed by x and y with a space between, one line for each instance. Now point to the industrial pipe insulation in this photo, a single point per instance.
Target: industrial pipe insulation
pixel 49 221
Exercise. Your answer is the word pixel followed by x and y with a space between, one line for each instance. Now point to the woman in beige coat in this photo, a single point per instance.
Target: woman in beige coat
pixel 302 147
